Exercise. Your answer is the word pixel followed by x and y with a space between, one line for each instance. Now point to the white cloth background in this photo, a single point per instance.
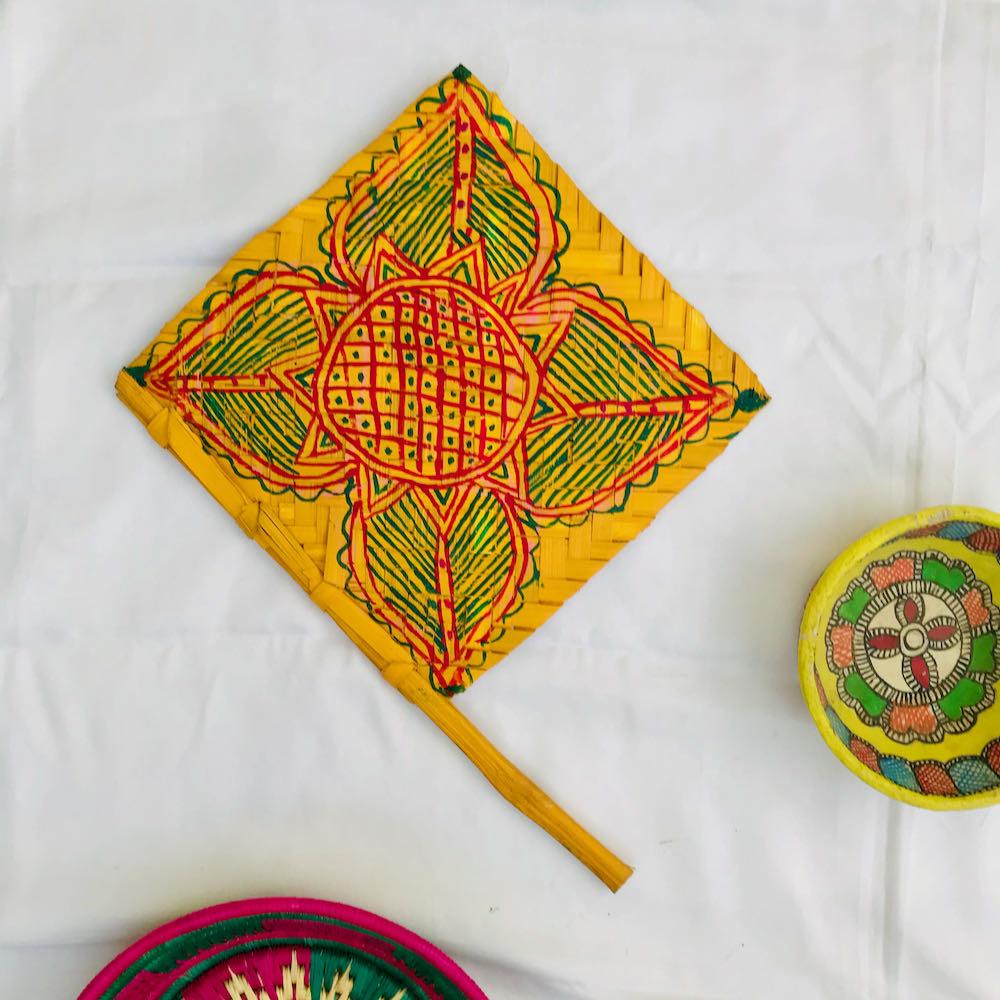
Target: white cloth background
pixel 179 725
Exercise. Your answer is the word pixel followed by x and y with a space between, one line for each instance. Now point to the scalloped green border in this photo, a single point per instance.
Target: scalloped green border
pixel 746 400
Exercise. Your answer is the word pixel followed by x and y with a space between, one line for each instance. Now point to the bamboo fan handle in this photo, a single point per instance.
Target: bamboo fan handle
pixel 259 523
pixel 511 783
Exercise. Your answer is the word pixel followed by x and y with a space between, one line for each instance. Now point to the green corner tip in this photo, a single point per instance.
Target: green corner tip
pixel 750 400
pixel 461 74
pixel 137 372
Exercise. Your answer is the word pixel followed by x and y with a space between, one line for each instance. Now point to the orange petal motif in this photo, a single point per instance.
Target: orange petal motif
pixel 898 570
pixel 841 639
pixel 975 609
pixel 919 719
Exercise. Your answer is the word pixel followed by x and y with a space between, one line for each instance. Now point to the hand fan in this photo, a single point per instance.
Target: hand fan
pixel 442 392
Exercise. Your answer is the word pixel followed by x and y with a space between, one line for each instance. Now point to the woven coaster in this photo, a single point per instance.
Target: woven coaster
pixel 899 658
pixel 443 391
pixel 282 949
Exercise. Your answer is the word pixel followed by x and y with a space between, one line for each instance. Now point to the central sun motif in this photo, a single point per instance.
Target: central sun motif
pixel 440 376
pixel 426 379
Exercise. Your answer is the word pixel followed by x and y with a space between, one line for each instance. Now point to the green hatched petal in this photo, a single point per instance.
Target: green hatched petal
pixel 260 334
pixel 481 558
pixel 602 358
pixel 500 213
pixel 612 406
pixel 241 377
pixel 426 184
pixel 401 556
pixel 451 594
pixel 411 197
pixel 264 423
pixel 574 461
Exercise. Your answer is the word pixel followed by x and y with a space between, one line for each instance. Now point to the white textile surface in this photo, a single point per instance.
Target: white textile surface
pixel 179 725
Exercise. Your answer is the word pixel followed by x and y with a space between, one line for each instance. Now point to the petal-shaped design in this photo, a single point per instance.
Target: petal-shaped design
pixel 441 568
pixel 900 569
pixel 920 672
pixel 975 607
pixel 455 181
pixel 943 632
pixel 883 642
pixel 842 645
pixel 242 378
pixel 425 402
pixel 907 719
pixel 612 406
pixel 910 609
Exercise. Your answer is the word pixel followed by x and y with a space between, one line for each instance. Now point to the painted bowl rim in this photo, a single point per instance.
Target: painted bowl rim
pixel 820 600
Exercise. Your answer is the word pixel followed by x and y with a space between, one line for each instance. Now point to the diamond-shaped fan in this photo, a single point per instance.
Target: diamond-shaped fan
pixel 443 391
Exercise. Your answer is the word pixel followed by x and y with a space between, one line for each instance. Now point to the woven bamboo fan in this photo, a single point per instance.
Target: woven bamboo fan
pixel 442 392
pixel 282 949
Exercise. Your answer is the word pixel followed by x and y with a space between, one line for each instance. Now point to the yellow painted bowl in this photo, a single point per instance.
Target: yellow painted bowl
pixel 899 657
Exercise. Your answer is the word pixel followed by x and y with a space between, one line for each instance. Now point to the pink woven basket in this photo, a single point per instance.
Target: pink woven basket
pixel 287 948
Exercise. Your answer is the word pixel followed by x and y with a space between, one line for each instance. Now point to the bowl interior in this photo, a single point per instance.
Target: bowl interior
pixel 900 655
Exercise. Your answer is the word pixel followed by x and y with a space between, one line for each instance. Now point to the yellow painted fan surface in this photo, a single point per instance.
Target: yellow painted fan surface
pixel 443 391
